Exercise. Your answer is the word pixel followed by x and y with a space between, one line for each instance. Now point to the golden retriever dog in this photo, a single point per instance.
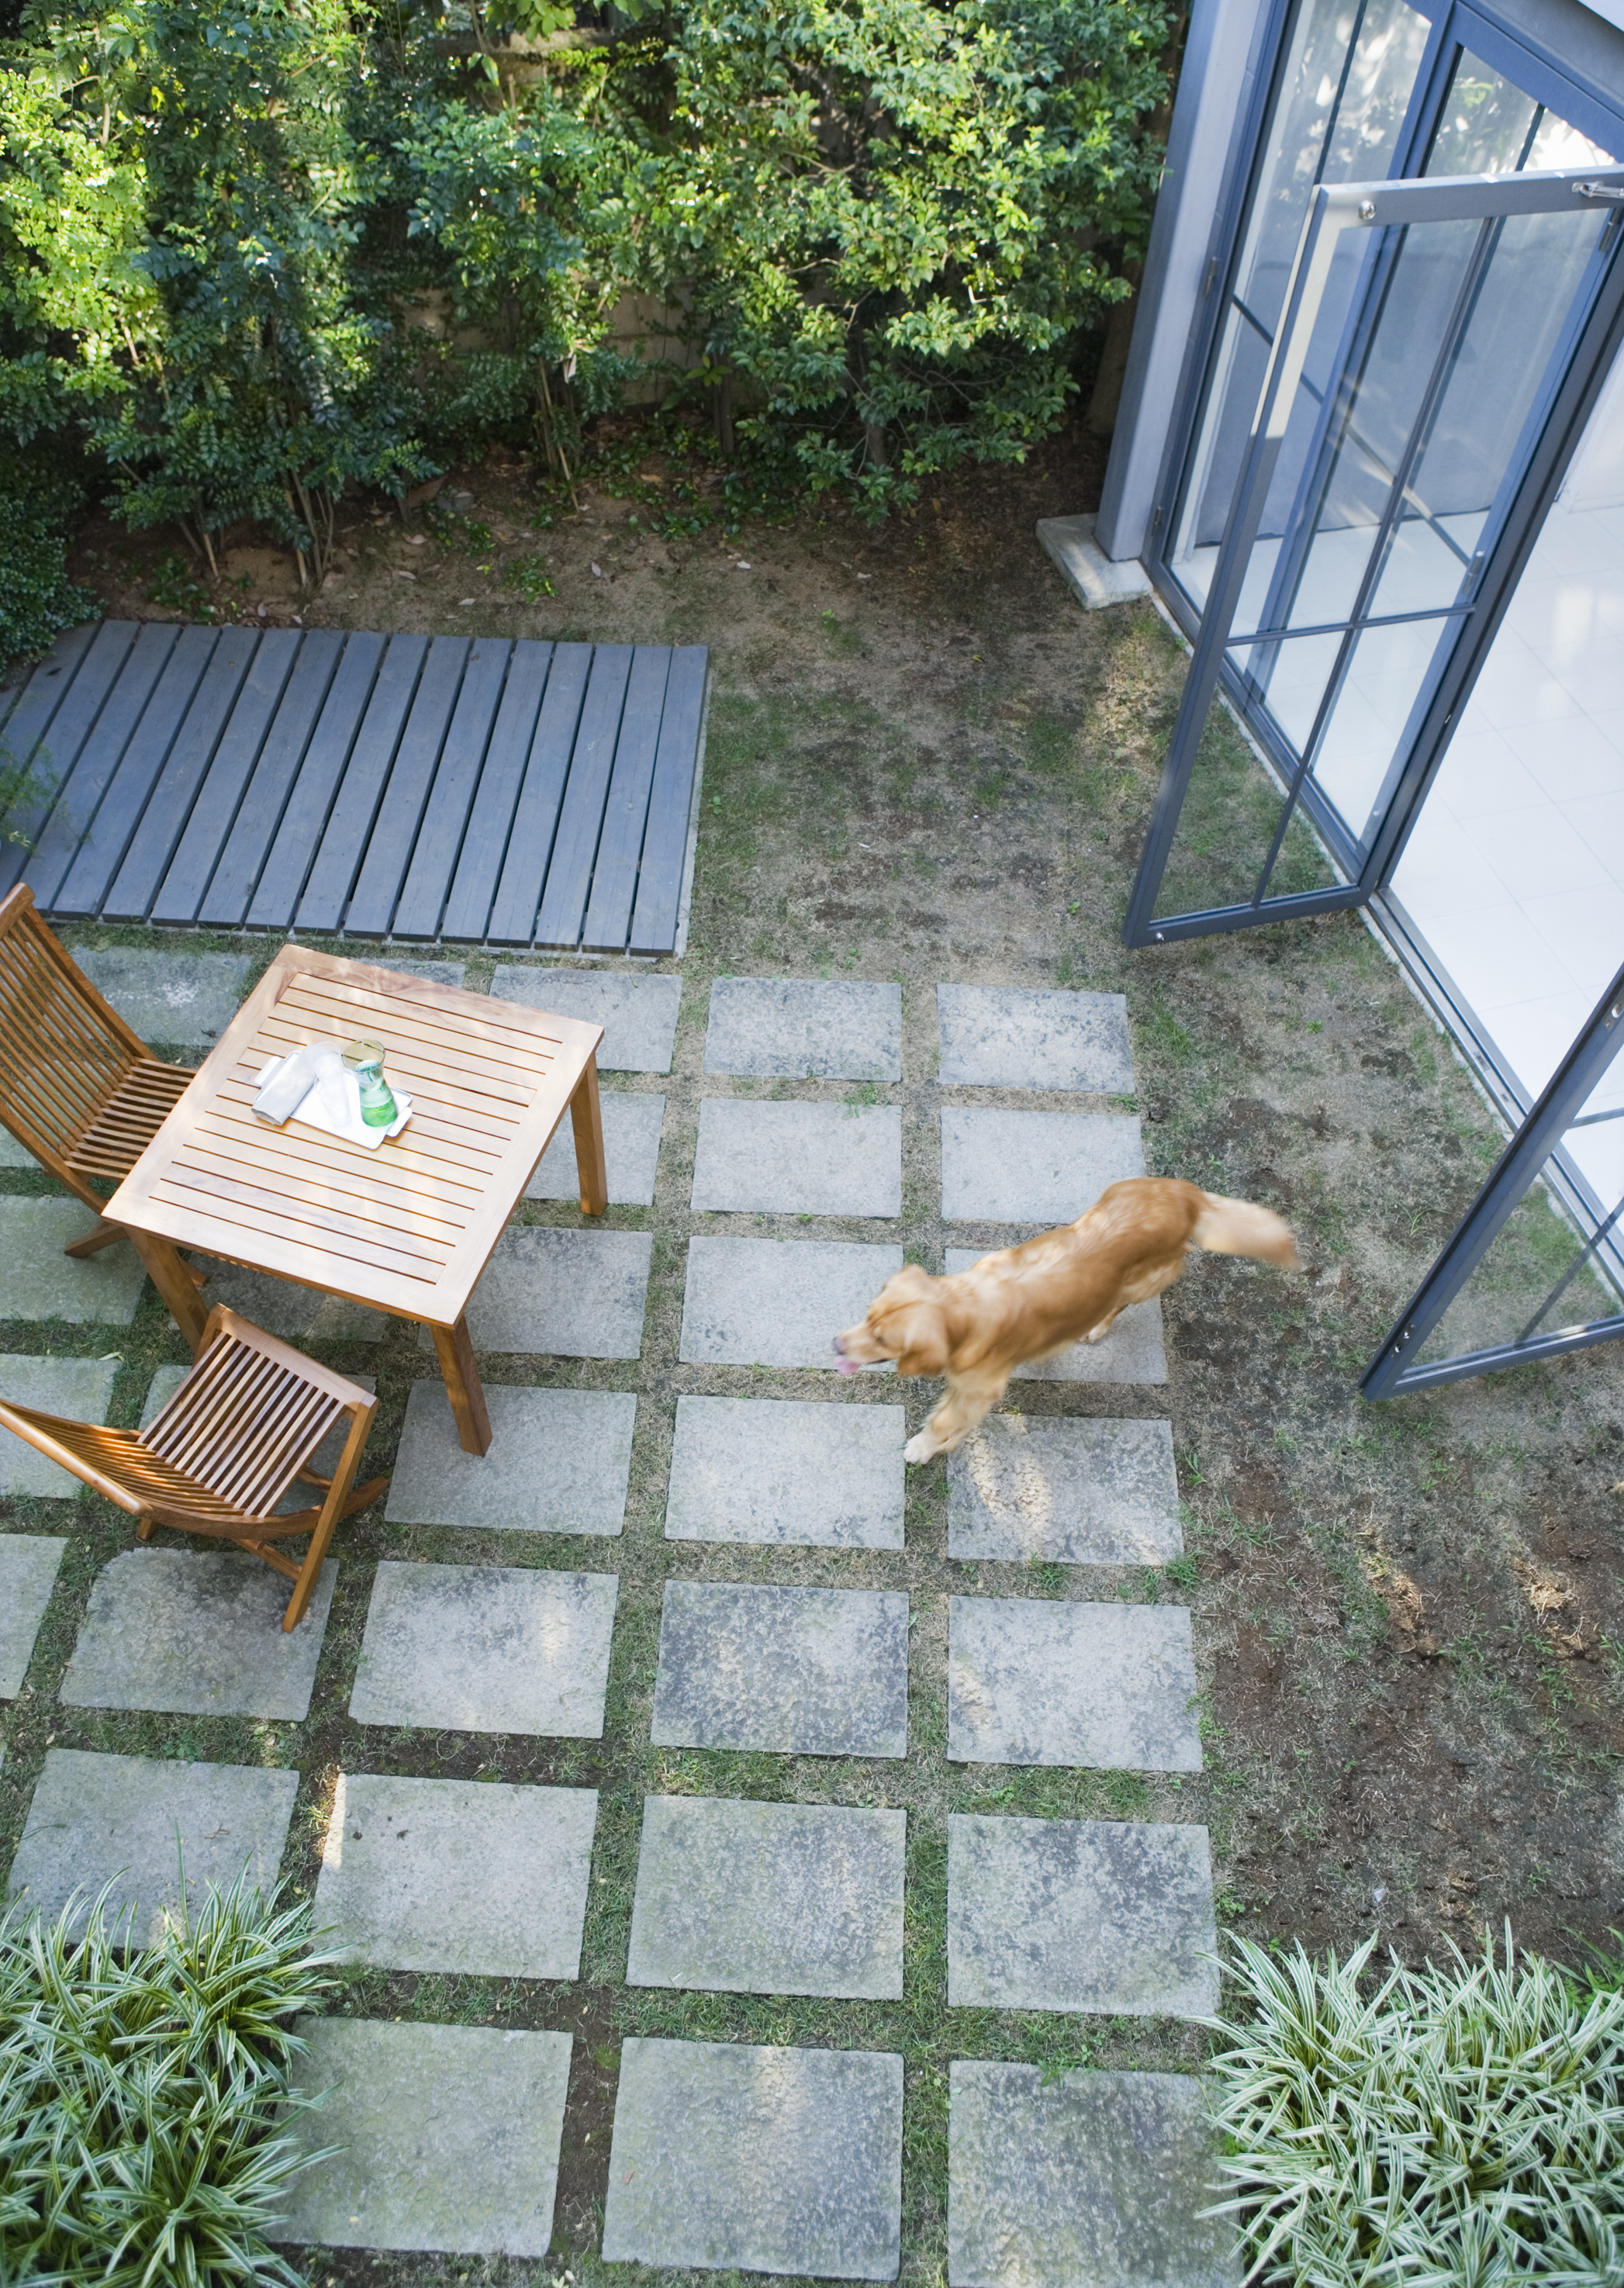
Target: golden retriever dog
pixel 1064 1286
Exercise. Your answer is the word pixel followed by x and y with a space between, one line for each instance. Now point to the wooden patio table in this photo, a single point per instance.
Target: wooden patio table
pixel 407 1227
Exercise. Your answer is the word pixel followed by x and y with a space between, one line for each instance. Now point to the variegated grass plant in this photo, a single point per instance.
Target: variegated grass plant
pixel 144 2094
pixel 1462 2124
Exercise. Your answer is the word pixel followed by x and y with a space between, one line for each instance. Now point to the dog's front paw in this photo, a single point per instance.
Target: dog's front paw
pixel 919 1449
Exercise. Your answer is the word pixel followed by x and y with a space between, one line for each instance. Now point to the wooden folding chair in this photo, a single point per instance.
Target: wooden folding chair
pixel 77 1087
pixel 220 1456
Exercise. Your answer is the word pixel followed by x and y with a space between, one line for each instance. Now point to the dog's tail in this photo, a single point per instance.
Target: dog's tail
pixel 1237 1227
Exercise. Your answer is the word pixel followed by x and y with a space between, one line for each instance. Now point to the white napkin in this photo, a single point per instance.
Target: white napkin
pixel 330 1099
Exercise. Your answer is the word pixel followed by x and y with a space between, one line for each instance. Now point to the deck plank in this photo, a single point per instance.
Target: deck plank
pixel 665 841
pixel 485 843
pixel 535 816
pixel 184 768
pixel 355 805
pixel 66 713
pixel 75 807
pixel 215 806
pixel 569 873
pixel 372 902
pixel 310 801
pixel 245 848
pixel 451 799
pixel 607 920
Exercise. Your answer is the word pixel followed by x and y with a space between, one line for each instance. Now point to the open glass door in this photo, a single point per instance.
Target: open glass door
pixel 1426 330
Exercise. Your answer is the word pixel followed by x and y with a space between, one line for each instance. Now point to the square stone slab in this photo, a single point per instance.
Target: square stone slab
pixel 1108 1686
pixel 1037 1168
pixel 1095 2177
pixel 197 1635
pixel 450 2137
pixel 284 1309
pixel 807 1672
pixel 800 1028
pixel 486 1648
pixel 79 1389
pixel 559 1462
pixel 1107 1916
pixel 729 2157
pixel 14 1154
pixel 458 1875
pixel 42 1283
pixel 431 972
pixel 99 1819
pixel 1012 1037
pixel 1077 1491
pixel 805 1159
pixel 778 1302
pixel 638 1015
pixel 790 1472
pixel 176 1000
pixel 631 1153
pixel 566 1294
pixel 739 1897
pixel 1132 1351
pixel 29 1564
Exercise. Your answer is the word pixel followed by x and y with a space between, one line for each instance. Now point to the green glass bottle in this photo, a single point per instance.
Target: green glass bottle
pixel 365 1059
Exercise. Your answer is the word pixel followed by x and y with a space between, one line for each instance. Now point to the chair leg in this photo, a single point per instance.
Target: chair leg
pixel 342 1497
pixel 106 1235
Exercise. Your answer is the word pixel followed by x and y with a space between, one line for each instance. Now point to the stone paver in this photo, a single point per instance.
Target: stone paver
pixel 1040 1168
pixel 1075 1490
pixel 486 1648
pixel 97 1819
pixel 29 1564
pixel 788 1472
pixel 805 1672
pixel 450 2137
pixel 1105 1915
pixel 457 1875
pixel 1132 1351
pixel 1012 1037
pixel 431 972
pixel 1035 1681
pixel 778 1302
pixel 740 1897
pixel 638 1015
pixel 806 1159
pixel 731 2157
pixel 42 1283
pixel 799 1028
pixel 631 1152
pixel 569 1294
pixel 79 1389
pixel 559 1462
pixel 174 1000
pixel 197 1635
pixel 1095 2177
pixel 14 1154
pixel 283 1308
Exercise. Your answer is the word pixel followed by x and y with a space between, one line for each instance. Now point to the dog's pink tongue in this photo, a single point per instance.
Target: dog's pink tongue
pixel 845 1366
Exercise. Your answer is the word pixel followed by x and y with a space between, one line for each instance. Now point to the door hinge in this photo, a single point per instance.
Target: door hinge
pixel 1155 519
pixel 1212 272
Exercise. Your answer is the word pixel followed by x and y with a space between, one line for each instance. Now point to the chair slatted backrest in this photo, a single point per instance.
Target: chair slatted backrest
pixel 244 1422
pixel 62 1049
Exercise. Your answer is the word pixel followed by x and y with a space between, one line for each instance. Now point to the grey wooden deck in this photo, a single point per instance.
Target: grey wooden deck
pixel 474 789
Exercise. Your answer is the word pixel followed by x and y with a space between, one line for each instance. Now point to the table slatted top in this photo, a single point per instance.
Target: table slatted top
pixel 406 1228
pixel 472 788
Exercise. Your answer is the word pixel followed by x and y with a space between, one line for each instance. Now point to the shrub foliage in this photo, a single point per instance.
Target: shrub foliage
pixel 1462 2125
pixel 141 2143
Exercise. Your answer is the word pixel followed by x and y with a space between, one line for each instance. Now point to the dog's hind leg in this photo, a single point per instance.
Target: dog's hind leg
pixel 964 1404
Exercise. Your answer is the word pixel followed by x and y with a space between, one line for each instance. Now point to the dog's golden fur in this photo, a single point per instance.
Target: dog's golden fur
pixel 1063 1287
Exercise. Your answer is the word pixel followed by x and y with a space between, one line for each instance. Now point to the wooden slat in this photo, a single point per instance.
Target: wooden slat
pixel 665 840
pixel 451 799
pixel 569 871
pixel 75 807
pixel 124 803
pixel 208 823
pixel 28 716
pixel 614 873
pixel 485 842
pixel 52 752
pixel 372 902
pixel 309 803
pixel 535 816
pixel 164 818
pixel 244 850
pixel 355 804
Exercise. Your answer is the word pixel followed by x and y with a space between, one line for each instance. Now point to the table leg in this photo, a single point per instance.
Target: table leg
pixel 587 1113
pixel 454 1349
pixel 173 1281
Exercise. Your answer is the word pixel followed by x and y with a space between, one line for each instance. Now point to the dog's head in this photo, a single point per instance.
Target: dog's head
pixel 907 1322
